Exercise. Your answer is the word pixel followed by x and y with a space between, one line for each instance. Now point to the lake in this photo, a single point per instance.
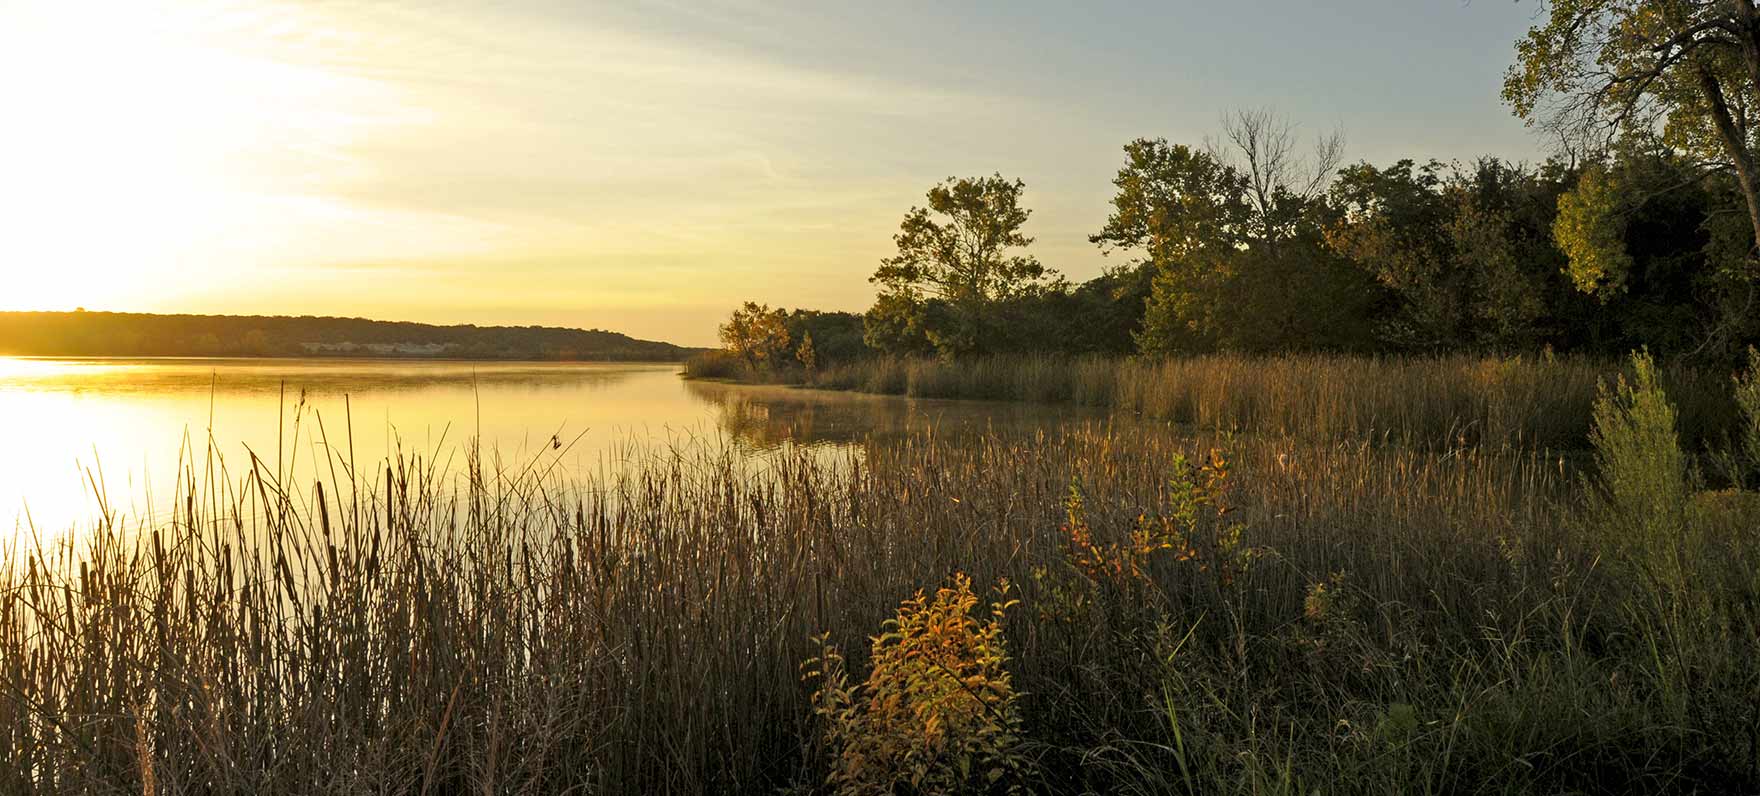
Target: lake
pixel 78 429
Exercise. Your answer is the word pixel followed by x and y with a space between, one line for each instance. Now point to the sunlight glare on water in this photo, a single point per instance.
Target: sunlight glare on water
pixel 77 428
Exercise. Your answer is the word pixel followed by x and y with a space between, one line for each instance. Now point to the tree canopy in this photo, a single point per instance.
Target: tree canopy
pixel 1256 241
pixel 962 246
pixel 1662 80
pixel 1232 233
pixel 757 334
pixel 1688 70
pixel 959 259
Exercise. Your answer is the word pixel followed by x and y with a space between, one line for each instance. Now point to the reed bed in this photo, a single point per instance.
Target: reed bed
pixel 409 629
pixel 1529 402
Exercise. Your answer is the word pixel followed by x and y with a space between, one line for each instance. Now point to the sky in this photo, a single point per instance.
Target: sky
pixel 645 166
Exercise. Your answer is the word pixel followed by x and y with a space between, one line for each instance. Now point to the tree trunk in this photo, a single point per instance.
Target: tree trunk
pixel 1747 24
pixel 1733 141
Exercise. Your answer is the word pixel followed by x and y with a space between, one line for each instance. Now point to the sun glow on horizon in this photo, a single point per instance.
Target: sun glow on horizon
pixel 452 163
pixel 642 166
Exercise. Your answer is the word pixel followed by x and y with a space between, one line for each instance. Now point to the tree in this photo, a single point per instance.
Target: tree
pixel 809 358
pixel 1285 290
pixel 1106 312
pixel 1173 202
pixel 1465 256
pixel 1280 185
pixel 894 324
pixel 1663 249
pixel 1236 247
pixel 837 336
pixel 1508 258
pixel 1595 70
pixel 757 334
pixel 1591 231
pixel 958 257
pixel 1184 212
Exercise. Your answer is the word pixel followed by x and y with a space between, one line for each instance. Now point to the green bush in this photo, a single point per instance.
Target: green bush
pixel 1637 503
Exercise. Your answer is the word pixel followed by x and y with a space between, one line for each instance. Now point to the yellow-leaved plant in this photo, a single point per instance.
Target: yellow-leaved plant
pixel 1195 525
pixel 937 713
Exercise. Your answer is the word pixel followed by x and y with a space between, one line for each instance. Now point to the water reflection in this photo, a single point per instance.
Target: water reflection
pixel 74 430
pixel 762 418
pixel 245 376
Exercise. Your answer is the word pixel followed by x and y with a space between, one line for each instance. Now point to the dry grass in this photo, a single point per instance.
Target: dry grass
pixel 414 630
pixel 1533 402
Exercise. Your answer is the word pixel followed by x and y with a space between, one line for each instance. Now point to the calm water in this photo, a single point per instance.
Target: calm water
pixel 75 429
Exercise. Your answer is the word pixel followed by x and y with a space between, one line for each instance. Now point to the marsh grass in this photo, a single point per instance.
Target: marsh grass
pixel 1412 619
pixel 1533 402
pixel 1738 462
pixel 715 364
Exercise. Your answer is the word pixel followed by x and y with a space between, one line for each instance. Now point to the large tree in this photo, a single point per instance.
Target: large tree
pixel 1679 75
pixel 1232 234
pixel 959 257
pixel 1184 213
pixel 1594 70
pixel 1282 184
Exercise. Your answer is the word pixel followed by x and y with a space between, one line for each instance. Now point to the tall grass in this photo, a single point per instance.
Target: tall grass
pixel 1536 402
pixel 716 364
pixel 1332 615
pixel 1739 461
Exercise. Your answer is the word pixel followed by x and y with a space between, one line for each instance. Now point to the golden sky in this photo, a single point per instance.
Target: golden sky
pixel 638 166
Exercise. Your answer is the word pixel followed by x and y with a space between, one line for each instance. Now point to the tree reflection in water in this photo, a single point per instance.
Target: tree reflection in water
pixel 768 417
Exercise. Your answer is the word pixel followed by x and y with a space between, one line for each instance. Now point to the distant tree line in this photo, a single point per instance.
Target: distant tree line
pixel 132 334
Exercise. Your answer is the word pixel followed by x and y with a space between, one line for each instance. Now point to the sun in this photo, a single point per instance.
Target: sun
pixel 148 147
pixel 104 177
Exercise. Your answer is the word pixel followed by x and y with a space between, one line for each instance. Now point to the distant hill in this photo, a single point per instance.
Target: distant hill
pixel 138 334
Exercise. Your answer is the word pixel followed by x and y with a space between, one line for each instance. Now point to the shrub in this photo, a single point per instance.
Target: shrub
pixel 1740 462
pixel 937 713
pixel 1639 500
